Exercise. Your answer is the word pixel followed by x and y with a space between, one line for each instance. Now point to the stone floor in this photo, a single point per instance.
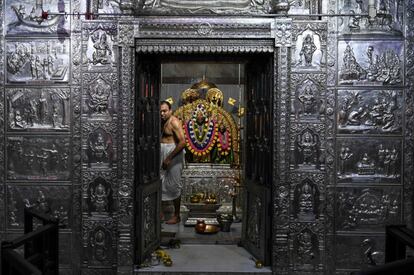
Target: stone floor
pixel 204 254
pixel 207 259
pixel 187 234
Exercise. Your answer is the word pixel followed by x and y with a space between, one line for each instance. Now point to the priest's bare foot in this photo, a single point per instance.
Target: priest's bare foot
pixel 173 220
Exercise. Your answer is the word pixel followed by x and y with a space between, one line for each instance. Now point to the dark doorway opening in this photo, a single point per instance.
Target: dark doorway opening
pixel 246 86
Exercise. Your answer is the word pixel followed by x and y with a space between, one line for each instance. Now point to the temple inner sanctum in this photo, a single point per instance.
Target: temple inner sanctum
pixel 206 136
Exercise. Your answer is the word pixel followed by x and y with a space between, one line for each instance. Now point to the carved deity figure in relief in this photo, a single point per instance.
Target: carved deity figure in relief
pixel 99 148
pixel 98 243
pixel 344 156
pixel 307 51
pixel 305 248
pixel 42 108
pixel 307 98
pixel 99 97
pixel 55 116
pixel 307 145
pixel 43 160
pixel 306 200
pixel 99 197
pixel 354 21
pixel 102 52
pixel 350 68
pixel 366 166
pixel 389 162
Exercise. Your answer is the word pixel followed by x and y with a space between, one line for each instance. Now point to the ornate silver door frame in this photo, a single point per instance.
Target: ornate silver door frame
pixel 195 35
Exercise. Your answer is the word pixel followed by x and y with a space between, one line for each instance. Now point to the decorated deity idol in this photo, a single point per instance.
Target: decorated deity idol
pixel 200 134
pixel 211 133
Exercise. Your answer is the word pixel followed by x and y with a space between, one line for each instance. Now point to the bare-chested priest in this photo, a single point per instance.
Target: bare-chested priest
pixel 172 145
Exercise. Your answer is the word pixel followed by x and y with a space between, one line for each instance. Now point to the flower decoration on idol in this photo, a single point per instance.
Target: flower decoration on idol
pixel 200 132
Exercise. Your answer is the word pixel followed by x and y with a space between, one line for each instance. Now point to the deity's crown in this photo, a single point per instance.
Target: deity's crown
pixel 189 95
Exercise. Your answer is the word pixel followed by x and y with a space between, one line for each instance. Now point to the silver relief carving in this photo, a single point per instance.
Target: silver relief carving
pixel 280 246
pixel 359 251
pixel 38 158
pixel 331 44
pixel 370 111
pixel 100 246
pixel 367 209
pixel 100 196
pixel 98 242
pixel 306 200
pixel 306 246
pixel 282 32
pixel 366 63
pixel 306 150
pixel 99 42
pixel 76 149
pixel 202 7
pixel 100 148
pixel 2 127
pixel 37 61
pixel 25 16
pixel 308 101
pixel 2 43
pixel 304 7
pixel 101 100
pixel 409 126
pixel 126 243
pixel 309 46
pixel 388 19
pixel 76 58
pixel 229 28
pixel 369 160
pixel 150 219
pixel 52 200
pixel 308 52
pixel 38 109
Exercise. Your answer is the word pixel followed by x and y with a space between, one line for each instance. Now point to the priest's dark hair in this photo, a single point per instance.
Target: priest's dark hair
pixel 166 102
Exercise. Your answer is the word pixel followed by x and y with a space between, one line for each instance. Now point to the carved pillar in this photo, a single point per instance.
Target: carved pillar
pixel 2 117
pixel 281 32
pixel 126 242
pixel 409 130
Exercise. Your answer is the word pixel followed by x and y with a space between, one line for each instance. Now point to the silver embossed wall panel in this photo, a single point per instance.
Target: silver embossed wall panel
pixel 367 208
pixel 369 160
pixel 370 112
pixel 23 17
pixel 409 126
pixel 54 200
pixel 200 7
pixel 366 63
pixel 38 112
pixel 389 21
pixel 37 61
pixel 38 109
pixel 370 150
pixel 37 158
